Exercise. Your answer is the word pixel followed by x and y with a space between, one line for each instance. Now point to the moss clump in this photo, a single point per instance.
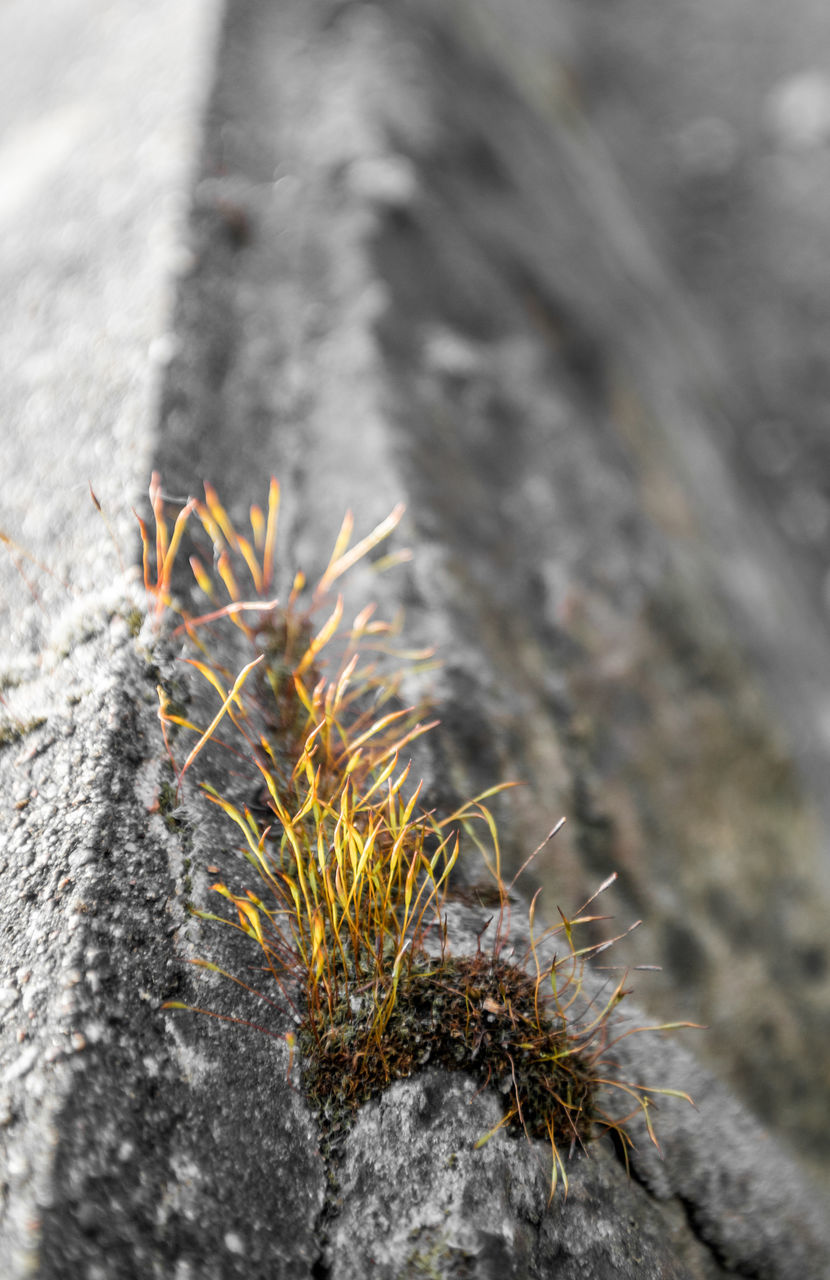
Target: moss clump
pixel 168 804
pixel 134 619
pixel 351 869
pixel 479 1014
pixel 17 729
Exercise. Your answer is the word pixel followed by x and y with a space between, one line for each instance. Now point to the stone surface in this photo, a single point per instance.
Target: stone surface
pixel 411 271
pixel 100 106
pixel 134 1143
pixel 417 1199
pixel 120 1140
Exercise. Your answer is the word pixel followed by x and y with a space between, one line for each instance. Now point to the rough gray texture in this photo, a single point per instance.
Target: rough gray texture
pixel 751 1205
pixel 123 1128
pixel 99 128
pixel 416 1199
pixel 411 274
pixel 119 1138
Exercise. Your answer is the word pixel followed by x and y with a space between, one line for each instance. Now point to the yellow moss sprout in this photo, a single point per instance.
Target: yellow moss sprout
pixel 349 872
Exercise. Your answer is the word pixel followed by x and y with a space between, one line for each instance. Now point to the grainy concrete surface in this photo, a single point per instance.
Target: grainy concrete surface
pixel 100 126
pixel 133 1144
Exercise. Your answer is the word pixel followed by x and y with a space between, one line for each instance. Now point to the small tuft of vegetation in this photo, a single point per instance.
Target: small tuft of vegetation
pixel 134 619
pixel 14 730
pixel 167 804
pixel 478 1014
pixel 348 871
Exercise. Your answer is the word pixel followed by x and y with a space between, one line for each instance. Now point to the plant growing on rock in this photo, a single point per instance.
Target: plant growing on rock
pixel 349 871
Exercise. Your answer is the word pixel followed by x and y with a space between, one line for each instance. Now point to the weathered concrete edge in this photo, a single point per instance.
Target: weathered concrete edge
pixel 127 185
pixel 135 1138
pixel 102 124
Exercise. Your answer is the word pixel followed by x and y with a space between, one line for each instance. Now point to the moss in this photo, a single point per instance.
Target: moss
pixel 351 871
pixel 477 1014
pixel 436 1259
pixel 168 803
pixel 134 620
pixel 11 733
